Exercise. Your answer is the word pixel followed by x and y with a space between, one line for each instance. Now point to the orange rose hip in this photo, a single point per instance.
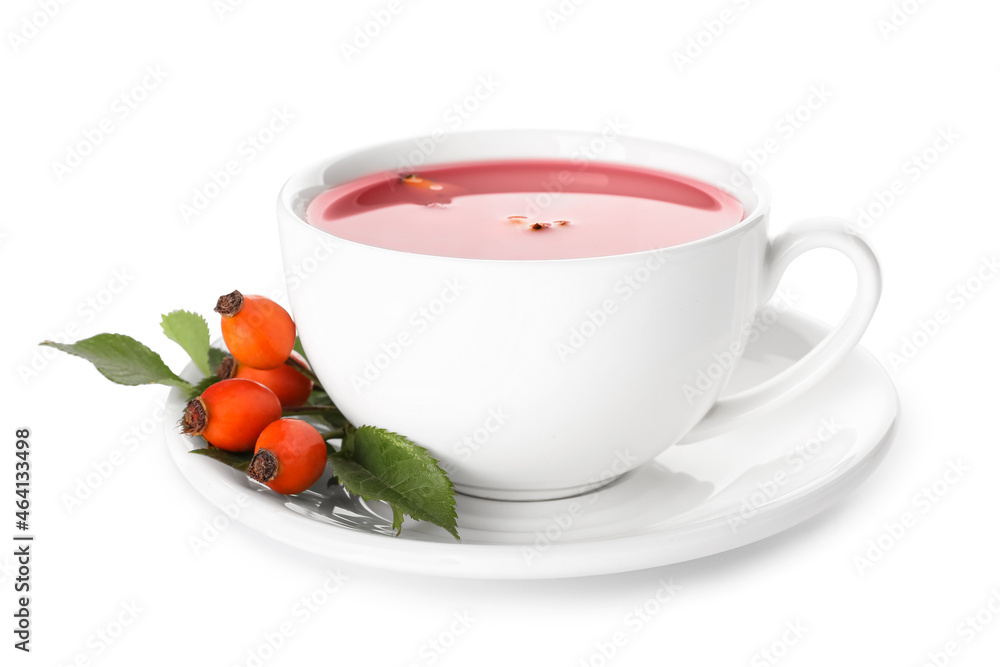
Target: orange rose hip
pixel 290 456
pixel 231 414
pixel 290 386
pixel 257 331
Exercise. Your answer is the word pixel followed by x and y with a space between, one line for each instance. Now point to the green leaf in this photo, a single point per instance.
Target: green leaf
pixel 319 397
pixel 397 520
pixel 298 348
pixel 215 357
pixel 122 359
pixel 347 444
pixel 190 331
pixel 386 466
pixel 334 418
pixel 200 388
pixel 240 461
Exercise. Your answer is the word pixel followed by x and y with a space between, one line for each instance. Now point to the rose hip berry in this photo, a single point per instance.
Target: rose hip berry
pixel 290 456
pixel 290 386
pixel 231 414
pixel 257 331
pixel 414 181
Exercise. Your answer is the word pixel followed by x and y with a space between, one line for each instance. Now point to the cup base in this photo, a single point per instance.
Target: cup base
pixel 531 495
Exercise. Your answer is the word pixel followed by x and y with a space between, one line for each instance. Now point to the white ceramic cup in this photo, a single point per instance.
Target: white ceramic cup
pixel 539 379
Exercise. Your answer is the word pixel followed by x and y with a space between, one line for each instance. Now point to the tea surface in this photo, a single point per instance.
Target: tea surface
pixel 525 209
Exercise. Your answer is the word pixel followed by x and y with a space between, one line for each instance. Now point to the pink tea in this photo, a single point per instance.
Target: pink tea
pixel 525 209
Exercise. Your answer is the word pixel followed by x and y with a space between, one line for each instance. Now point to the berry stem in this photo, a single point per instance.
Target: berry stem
pixel 311 410
pixel 330 435
pixel 305 370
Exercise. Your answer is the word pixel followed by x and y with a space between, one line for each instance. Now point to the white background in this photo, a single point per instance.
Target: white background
pixel 65 236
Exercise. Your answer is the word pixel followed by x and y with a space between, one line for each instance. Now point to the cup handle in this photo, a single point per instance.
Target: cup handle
pixel 808 235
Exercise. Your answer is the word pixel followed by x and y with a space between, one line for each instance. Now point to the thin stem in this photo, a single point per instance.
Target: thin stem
pixel 330 435
pixel 305 370
pixel 311 410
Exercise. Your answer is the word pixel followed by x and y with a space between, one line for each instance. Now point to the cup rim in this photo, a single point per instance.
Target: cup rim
pixel 754 185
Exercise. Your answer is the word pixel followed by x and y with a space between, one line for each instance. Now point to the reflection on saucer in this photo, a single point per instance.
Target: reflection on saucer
pixel 763 476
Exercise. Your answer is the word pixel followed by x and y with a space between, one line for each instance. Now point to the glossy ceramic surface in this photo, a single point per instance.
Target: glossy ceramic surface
pixel 495 366
pixel 739 486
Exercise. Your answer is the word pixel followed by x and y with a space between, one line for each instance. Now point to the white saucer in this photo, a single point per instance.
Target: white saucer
pixel 694 500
